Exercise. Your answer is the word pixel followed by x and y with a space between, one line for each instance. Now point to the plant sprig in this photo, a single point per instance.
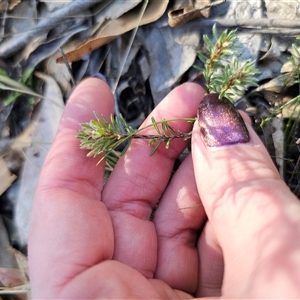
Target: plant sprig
pixel 223 72
pixel 289 79
pixel 293 75
pixel 103 137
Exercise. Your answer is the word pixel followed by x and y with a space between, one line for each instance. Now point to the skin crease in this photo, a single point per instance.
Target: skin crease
pixel 222 206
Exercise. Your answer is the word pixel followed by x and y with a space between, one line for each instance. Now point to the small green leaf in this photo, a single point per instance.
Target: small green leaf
pixel 154 123
pixel 203 58
pixel 156 146
pixel 222 69
pixel 153 141
pixel 125 148
pixel 168 143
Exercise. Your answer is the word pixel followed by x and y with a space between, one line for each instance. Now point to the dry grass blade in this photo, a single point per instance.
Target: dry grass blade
pixel 143 9
pixel 16 290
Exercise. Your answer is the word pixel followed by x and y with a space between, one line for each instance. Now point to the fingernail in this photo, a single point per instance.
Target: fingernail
pixel 220 123
pixel 100 76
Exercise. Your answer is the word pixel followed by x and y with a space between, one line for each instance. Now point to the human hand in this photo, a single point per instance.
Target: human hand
pixel 93 241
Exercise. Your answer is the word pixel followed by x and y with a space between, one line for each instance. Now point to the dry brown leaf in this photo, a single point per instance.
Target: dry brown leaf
pixel 291 111
pixel 22 263
pixel 20 292
pixel 60 73
pixel 11 277
pixel 6 178
pixel 273 52
pixel 53 5
pixel 288 66
pixel 16 281
pixel 45 128
pixel 3 7
pixel 111 10
pixel 185 11
pixel 115 28
pixel 13 4
pixel 275 85
pixel 88 47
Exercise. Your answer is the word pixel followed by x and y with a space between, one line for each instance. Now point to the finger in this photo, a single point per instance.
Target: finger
pixel 70 228
pixel 138 181
pixel 178 220
pixel 250 209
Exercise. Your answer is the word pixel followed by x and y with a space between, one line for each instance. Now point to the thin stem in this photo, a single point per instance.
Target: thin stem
pixel 186 135
pixel 279 109
pixel 100 136
pixel 188 120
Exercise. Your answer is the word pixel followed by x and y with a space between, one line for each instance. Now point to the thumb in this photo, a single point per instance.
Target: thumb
pixel 249 207
pixel 221 166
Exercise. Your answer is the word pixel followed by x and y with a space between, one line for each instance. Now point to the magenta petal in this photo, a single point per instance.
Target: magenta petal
pixel 220 123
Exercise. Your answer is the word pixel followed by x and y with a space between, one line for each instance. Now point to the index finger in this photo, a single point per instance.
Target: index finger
pixel 139 180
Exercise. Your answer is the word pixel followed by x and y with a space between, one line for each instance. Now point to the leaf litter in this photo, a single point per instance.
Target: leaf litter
pixel 160 58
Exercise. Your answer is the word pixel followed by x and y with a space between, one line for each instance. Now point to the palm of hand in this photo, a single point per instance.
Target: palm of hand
pixel 90 240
